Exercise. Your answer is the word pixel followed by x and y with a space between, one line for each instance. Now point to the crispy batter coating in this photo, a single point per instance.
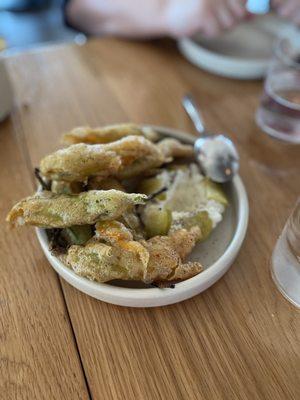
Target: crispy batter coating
pixel 155 260
pixel 131 220
pixel 137 155
pixel 102 263
pixel 112 232
pixel 124 158
pixel 173 148
pixel 128 227
pixel 107 134
pixel 184 240
pixel 49 210
pixel 78 162
pixel 167 254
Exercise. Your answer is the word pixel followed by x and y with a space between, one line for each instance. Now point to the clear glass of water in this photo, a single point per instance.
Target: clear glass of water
pixel 279 110
pixel 285 266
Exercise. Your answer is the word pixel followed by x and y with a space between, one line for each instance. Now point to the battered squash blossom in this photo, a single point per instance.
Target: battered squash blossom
pixel 50 210
pixel 107 134
pixel 122 204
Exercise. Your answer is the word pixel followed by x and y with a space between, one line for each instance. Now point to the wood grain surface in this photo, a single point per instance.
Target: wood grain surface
pixel 38 353
pixel 238 340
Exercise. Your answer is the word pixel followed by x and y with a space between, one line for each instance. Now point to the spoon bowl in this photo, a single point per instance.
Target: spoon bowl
pixel 217 157
pixel 216 154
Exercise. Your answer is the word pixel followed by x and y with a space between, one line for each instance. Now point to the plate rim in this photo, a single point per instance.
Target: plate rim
pixel 152 297
pixel 226 66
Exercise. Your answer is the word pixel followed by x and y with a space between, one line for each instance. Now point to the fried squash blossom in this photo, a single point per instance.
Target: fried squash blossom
pixel 121 202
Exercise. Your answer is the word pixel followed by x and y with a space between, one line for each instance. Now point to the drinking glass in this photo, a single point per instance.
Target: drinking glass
pixel 279 110
pixel 6 91
pixel 285 266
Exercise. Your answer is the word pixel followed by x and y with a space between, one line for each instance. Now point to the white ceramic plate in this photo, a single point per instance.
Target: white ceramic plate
pixel 243 53
pixel 216 254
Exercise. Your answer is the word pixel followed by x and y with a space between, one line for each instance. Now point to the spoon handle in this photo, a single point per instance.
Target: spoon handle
pixel 193 112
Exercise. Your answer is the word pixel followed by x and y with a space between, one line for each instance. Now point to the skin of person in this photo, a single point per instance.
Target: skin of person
pixel 173 18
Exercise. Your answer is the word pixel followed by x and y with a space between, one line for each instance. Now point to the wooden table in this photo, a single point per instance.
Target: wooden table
pixel 238 340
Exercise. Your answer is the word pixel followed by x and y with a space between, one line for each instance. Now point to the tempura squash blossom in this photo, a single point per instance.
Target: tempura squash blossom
pixel 156 259
pixel 50 210
pixel 121 203
pixel 107 134
pixel 124 158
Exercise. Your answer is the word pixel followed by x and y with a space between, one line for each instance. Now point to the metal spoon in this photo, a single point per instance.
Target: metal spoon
pixel 216 154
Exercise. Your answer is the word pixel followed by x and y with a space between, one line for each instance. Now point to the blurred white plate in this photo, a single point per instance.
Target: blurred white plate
pixel 243 53
pixel 216 254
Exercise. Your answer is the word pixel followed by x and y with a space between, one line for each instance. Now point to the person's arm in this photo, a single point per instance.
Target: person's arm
pixel 152 18
pixel 118 17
